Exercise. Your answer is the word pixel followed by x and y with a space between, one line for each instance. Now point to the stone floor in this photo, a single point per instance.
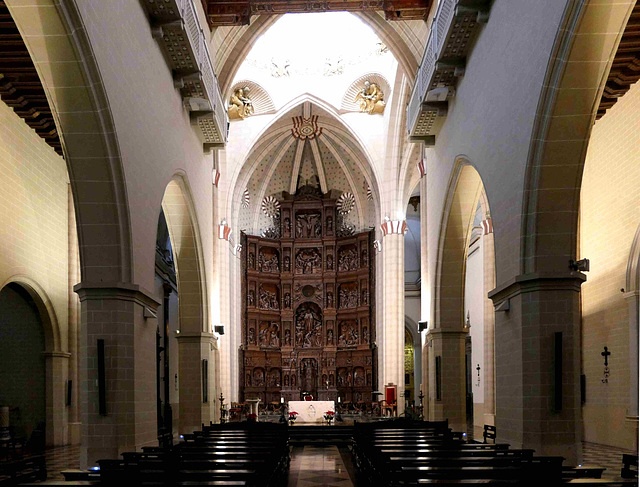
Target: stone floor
pixel 321 466
pixel 332 465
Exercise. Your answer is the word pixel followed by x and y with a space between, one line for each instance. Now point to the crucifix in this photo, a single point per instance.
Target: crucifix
pixel 606 354
pixel 605 376
pixel 478 379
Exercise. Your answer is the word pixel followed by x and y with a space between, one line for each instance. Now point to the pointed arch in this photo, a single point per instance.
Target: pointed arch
pixel 277 131
pixel 62 53
pixel 182 223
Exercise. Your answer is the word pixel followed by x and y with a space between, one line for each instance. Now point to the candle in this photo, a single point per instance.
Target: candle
pixel 338 398
pixel 281 400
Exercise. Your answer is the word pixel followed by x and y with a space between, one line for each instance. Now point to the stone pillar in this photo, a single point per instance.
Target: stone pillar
pixel 194 348
pixel 393 294
pixel 447 394
pixel 633 299
pixel 57 365
pixel 116 313
pixel 73 320
pixel 224 262
pixel 425 291
pixel 530 310
pixel 489 324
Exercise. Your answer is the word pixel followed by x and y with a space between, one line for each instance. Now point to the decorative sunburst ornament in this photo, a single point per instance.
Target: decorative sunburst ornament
pixel 270 206
pixel 345 203
pixel 306 128
pixel 245 198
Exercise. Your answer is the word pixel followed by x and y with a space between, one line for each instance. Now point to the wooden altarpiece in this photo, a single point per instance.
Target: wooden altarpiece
pixel 308 307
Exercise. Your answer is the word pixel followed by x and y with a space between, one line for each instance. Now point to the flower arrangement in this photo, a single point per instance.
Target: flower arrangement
pixel 252 417
pixel 292 416
pixel 329 416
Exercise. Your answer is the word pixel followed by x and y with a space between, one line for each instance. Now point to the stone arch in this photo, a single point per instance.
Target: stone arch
pixel 61 51
pixel 53 339
pixel 581 58
pixel 184 233
pixel 56 360
pixel 195 338
pixel 447 335
pixel 465 189
pixel 258 26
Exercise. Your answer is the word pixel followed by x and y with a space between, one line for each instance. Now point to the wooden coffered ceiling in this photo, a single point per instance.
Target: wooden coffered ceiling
pixel 238 12
pixel 625 69
pixel 20 86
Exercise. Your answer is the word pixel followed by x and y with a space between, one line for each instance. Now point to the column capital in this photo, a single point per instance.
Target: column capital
pixel 122 291
pixel 394 227
pixel 537 281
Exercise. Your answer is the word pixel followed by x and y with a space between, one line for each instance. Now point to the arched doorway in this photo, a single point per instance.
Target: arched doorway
pixel 22 365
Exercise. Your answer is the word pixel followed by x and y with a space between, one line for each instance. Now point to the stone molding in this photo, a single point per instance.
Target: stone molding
pixel 121 291
pixel 202 337
pixel 537 281
pixel 57 353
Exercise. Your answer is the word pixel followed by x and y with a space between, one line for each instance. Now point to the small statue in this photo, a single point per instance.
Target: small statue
pixel 287 300
pixel 287 337
pixel 252 298
pixel 287 263
pixel 240 105
pixel 330 262
pixel 370 99
pixel 329 299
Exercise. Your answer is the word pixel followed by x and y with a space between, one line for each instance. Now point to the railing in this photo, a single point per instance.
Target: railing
pixel 442 28
pixel 204 89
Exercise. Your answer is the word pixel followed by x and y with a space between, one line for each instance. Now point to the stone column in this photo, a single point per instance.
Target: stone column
pixel 633 299
pixel 530 311
pixel 194 410
pixel 447 392
pixel 393 293
pixel 122 315
pixel 57 366
pixel 488 374
pixel 224 275
pixel 425 291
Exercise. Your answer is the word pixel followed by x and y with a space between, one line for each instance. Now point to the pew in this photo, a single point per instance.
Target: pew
pixel 424 453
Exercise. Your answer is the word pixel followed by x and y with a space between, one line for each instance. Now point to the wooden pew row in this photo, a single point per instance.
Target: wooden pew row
pixel 426 456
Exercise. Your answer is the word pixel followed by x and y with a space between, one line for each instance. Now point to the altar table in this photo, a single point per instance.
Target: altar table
pixel 311 411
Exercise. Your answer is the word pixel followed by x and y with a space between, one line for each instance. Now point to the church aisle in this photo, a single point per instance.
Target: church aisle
pixel 320 466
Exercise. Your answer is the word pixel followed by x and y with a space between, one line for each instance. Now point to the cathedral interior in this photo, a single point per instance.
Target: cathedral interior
pixel 207 203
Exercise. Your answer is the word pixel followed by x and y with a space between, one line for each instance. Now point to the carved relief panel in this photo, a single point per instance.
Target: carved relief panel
pixel 307 324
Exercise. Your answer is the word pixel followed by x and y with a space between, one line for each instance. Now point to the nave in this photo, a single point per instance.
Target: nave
pixel 390 452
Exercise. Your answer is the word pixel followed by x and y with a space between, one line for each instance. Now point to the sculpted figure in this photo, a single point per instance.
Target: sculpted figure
pixel 240 105
pixel 370 98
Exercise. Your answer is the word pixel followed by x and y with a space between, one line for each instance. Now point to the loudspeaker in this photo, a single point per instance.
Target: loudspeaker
pixel 219 329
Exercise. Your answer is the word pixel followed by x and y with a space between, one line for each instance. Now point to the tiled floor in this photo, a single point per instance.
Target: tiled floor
pixel 320 466
pixel 61 458
pixel 604 456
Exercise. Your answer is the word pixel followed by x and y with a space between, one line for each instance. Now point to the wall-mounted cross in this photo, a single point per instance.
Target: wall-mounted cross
pixel 606 354
pixel 478 369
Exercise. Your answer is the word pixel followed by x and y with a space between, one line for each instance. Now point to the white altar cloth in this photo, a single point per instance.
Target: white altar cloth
pixel 311 411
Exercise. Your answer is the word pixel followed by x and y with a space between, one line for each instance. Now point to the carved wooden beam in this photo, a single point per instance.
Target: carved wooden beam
pixel 239 12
